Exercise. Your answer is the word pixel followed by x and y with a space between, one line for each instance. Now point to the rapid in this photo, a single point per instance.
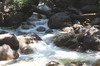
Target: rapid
pixel 45 50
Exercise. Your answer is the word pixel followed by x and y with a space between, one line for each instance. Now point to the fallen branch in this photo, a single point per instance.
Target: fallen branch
pixel 84 16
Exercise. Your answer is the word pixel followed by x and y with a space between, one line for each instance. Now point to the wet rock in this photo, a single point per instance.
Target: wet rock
pixel 9 39
pixel 53 63
pixel 25 27
pixel 67 40
pixel 68 29
pixel 49 31
pixel 90 39
pixel 26 40
pixel 6 53
pixel 41 29
pixel 59 20
pixel 26 50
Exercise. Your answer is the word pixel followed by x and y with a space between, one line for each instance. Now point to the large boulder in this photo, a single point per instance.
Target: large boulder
pixel 12 20
pixel 90 39
pixel 87 38
pixel 59 20
pixel 9 39
pixel 67 40
pixel 6 53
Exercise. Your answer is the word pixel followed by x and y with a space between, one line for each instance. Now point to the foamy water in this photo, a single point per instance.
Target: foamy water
pixel 45 51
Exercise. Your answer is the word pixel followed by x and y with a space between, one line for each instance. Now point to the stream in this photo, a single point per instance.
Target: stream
pixel 45 51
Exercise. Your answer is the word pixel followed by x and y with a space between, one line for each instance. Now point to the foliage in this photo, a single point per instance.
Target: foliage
pixel 21 5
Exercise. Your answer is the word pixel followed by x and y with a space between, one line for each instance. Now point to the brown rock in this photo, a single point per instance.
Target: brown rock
pixel 53 63
pixel 41 29
pixel 25 40
pixel 9 39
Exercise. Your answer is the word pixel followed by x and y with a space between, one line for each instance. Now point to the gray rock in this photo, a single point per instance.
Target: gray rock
pixel 59 20
pixel 41 29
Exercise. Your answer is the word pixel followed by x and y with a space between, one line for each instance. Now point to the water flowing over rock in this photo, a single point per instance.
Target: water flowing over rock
pixel 88 38
pixel 68 38
pixel 25 40
pixel 6 53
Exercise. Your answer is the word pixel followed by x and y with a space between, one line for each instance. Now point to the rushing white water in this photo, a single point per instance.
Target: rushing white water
pixel 45 51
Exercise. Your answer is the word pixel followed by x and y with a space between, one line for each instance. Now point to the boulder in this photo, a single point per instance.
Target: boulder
pixel 59 20
pixel 9 39
pixel 26 40
pixel 90 39
pixel 87 38
pixel 27 50
pixel 6 53
pixel 67 40
pixel 13 20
